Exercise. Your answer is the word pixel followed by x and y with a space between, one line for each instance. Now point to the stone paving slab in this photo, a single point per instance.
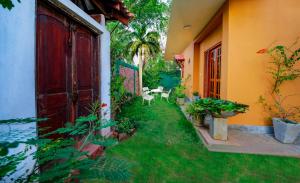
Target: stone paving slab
pixel 243 142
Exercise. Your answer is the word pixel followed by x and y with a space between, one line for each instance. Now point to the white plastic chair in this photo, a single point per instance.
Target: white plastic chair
pixel 145 89
pixel 160 88
pixel 166 95
pixel 147 97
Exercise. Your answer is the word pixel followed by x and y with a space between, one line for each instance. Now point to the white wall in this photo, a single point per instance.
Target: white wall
pixel 17 75
pixel 105 76
pixel 17 61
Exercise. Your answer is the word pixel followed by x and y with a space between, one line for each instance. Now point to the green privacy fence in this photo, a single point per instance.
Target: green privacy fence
pixel 130 74
pixel 170 80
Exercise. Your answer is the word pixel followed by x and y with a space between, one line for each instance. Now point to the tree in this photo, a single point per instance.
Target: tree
pixel 7 4
pixel 144 45
pixel 153 13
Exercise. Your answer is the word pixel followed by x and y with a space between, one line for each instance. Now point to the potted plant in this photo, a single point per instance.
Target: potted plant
pixel 196 96
pixel 197 113
pixel 179 93
pixel 215 112
pixel 282 69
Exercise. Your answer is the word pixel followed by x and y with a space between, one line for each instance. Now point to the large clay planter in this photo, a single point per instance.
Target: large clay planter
pixel 208 119
pixel 286 131
pixel 180 101
pixel 195 98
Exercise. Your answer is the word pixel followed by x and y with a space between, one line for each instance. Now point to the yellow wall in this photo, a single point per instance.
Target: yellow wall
pixel 256 24
pixel 248 26
pixel 188 69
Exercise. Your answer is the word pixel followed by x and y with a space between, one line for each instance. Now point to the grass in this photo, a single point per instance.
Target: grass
pixel 165 148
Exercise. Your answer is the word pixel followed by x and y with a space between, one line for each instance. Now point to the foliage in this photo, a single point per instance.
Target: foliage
pixel 279 108
pixel 119 95
pixel 152 71
pixel 150 13
pixel 66 158
pixel 167 149
pixel 126 125
pixel 8 4
pixel 179 91
pixel 215 107
pixel 282 69
pixel 144 45
pixel 195 93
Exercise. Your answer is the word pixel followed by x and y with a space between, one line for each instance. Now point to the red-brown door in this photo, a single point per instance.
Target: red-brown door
pixel 85 81
pixel 213 72
pixel 67 67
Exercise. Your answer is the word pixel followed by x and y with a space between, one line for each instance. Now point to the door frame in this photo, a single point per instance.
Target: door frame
pixel 206 69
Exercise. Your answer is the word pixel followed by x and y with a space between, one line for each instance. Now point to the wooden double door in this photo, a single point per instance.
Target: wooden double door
pixel 67 67
pixel 213 72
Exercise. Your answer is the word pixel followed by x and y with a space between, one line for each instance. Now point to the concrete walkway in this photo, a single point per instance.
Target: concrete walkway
pixel 243 142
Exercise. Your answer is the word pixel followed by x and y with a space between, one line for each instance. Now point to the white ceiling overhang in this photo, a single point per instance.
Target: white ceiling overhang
pixel 192 14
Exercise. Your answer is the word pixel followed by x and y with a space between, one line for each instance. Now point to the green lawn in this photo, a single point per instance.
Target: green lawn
pixel 165 148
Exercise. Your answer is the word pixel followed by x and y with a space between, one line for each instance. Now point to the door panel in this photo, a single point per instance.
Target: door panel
pixel 52 68
pixel 84 58
pixel 67 67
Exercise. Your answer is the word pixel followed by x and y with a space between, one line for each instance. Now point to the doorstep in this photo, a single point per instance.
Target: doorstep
pixel 243 142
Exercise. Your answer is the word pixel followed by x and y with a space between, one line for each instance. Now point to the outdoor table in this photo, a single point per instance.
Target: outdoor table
pixel 155 90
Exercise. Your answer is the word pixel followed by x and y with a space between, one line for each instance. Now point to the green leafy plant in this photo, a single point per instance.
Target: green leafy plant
pixel 68 158
pixel 215 107
pixel 119 95
pixel 195 93
pixel 282 69
pixel 125 125
pixel 179 91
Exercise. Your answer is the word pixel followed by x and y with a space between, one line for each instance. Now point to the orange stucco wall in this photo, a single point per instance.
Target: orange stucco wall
pixel 188 69
pixel 248 26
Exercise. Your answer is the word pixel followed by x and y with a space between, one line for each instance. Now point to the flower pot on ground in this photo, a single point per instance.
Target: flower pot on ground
pixel 286 131
pixel 208 120
pixel 196 96
pixel 283 68
pixel 180 101
pixel 179 93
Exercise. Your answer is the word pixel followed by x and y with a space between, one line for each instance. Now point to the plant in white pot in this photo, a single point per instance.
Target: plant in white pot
pixel 179 93
pixel 196 96
pixel 283 68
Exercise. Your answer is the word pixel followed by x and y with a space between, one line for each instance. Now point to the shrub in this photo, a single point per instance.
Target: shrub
pixel 67 159
pixel 125 125
pixel 179 91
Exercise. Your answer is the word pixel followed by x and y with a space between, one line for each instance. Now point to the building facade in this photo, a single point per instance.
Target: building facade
pixel 219 41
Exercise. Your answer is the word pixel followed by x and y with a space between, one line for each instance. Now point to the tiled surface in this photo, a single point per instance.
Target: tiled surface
pixel 242 142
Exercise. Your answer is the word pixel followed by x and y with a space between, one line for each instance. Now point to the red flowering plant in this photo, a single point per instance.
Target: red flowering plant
pixel 282 69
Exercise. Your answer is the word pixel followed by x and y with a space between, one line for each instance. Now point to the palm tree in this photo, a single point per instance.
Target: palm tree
pixel 144 45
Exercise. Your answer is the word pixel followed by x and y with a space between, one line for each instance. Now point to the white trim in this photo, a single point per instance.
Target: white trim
pixel 78 14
